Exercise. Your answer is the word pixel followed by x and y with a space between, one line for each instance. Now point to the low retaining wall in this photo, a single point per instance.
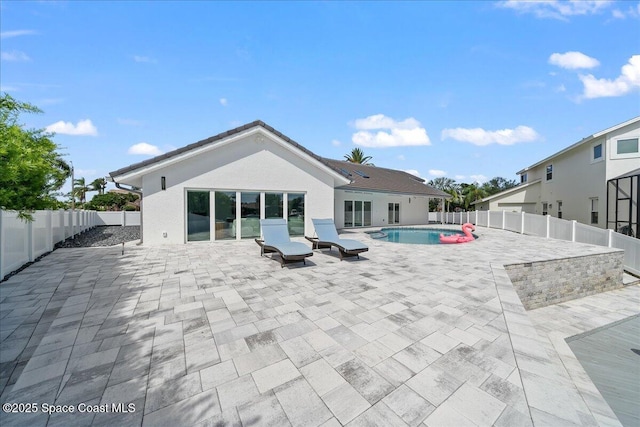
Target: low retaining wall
pixel 543 283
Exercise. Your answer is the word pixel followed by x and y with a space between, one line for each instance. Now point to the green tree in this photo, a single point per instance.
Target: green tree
pixel 473 193
pixel 449 186
pixel 31 169
pixel 497 185
pixel 106 201
pixel 99 185
pixel 357 156
pixel 80 189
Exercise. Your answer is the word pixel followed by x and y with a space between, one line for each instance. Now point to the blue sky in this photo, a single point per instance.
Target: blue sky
pixel 467 90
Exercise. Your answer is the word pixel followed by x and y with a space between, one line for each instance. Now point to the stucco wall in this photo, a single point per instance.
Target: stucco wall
pixel 411 213
pixel 250 164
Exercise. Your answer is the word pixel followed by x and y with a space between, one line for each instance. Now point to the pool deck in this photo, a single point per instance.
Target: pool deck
pixel 213 334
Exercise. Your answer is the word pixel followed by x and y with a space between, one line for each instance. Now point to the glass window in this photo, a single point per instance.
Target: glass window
pixel 273 207
pixel 198 218
pixel 225 206
pixel 348 213
pixel 295 212
pixel 545 208
pixel 549 172
pixel 394 213
pixel 367 214
pixel 594 210
pixel 560 209
pixel 357 216
pixel 628 146
pixel 523 178
pixel 249 215
pixel 597 152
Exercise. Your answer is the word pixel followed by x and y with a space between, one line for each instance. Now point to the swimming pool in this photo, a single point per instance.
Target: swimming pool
pixel 416 236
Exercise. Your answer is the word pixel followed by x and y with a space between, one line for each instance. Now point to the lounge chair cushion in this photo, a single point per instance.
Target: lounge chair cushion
pixel 327 233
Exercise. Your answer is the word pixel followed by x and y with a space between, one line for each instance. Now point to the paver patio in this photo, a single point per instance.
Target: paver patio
pixel 214 334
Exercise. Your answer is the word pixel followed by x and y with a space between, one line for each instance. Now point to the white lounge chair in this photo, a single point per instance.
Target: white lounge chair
pixel 275 238
pixel 327 237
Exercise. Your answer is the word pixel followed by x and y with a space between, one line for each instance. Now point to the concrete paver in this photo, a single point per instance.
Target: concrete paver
pixel 212 333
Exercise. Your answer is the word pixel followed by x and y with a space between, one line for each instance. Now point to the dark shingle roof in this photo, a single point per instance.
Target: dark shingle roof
pixel 373 178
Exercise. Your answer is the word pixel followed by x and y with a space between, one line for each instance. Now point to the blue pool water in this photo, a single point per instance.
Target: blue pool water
pixel 416 236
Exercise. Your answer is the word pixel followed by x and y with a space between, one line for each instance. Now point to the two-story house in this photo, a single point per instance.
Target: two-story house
pixel 572 183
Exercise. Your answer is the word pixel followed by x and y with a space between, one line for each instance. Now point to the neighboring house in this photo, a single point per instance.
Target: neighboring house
pixel 572 183
pixel 220 187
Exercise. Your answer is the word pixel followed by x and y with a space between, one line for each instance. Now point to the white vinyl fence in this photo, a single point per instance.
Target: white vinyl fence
pixel 22 241
pixel 551 228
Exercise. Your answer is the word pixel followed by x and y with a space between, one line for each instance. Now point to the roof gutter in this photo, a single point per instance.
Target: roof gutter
pixel 139 193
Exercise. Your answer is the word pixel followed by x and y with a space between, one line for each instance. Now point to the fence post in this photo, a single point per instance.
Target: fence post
pixel 548 225
pixel 522 223
pixel 504 213
pixel 573 230
pixel 49 231
pixel 610 238
pixel 30 240
pixel 124 218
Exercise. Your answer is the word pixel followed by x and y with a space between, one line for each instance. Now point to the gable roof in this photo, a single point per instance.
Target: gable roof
pixel 373 178
pixel 213 140
pixel 377 179
pixel 515 189
pixel 582 141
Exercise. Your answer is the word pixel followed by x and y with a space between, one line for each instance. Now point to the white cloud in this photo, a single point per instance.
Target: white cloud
pixel 437 172
pixel 631 12
pixel 336 143
pixel 413 172
pixel 394 133
pixel 556 9
pixel 573 60
pixel 144 149
pixel 561 88
pixel 401 157
pixel 459 177
pixel 481 137
pixel 145 59
pixel 9 89
pixel 16 33
pixel 85 172
pixel 627 81
pixel 479 178
pixel 14 56
pixel 223 102
pixel 84 127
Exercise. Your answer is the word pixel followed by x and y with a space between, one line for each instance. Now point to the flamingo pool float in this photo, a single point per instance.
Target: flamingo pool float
pixel 456 238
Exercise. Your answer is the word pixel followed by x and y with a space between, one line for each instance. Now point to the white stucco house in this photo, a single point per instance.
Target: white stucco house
pixel 573 183
pixel 219 188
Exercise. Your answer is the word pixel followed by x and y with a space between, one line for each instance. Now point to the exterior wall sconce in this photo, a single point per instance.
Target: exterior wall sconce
pixel 163 183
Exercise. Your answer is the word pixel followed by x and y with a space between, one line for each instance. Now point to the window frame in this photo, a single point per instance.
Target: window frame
pixel 595 159
pixel 549 172
pixel 616 155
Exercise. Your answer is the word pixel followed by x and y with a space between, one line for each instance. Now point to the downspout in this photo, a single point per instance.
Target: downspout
pixel 139 193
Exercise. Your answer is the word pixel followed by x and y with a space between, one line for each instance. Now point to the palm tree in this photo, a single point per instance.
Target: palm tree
pixel 80 189
pixel 99 185
pixel 449 186
pixel 473 193
pixel 357 156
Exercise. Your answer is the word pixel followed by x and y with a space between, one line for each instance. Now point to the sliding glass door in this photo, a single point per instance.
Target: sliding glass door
pixel 357 213
pixel 198 216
